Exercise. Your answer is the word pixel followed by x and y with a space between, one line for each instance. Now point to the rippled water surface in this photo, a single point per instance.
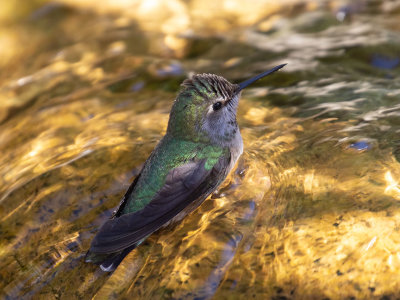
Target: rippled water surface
pixel 310 212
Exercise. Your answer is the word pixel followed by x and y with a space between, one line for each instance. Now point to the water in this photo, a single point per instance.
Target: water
pixel 311 211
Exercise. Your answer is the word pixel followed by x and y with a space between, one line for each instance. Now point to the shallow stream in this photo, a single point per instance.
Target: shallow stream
pixel 312 210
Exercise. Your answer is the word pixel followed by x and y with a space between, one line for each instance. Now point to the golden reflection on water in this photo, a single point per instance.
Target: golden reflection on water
pixel 310 212
pixel 393 187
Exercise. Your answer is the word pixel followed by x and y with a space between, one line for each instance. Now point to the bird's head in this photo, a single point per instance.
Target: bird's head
pixel 205 109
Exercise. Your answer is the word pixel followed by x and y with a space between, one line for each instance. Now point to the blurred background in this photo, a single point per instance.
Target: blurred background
pixel 312 210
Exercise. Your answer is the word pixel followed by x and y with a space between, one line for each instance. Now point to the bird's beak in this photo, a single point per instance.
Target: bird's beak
pixel 246 83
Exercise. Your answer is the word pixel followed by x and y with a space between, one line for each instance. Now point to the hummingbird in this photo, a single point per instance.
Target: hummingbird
pixel 201 146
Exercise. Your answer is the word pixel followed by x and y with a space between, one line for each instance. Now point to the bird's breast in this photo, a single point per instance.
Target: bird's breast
pixel 236 149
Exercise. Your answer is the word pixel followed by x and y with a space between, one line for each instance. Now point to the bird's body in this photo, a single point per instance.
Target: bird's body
pixel 201 146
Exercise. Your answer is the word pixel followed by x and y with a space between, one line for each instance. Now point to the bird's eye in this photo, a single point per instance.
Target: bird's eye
pixel 217 106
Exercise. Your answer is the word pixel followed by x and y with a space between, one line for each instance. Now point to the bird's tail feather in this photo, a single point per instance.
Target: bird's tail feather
pixel 108 262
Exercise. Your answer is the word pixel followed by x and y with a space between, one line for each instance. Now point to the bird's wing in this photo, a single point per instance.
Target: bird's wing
pixel 183 185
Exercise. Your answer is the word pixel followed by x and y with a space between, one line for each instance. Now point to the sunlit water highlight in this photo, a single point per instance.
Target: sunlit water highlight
pixel 310 212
